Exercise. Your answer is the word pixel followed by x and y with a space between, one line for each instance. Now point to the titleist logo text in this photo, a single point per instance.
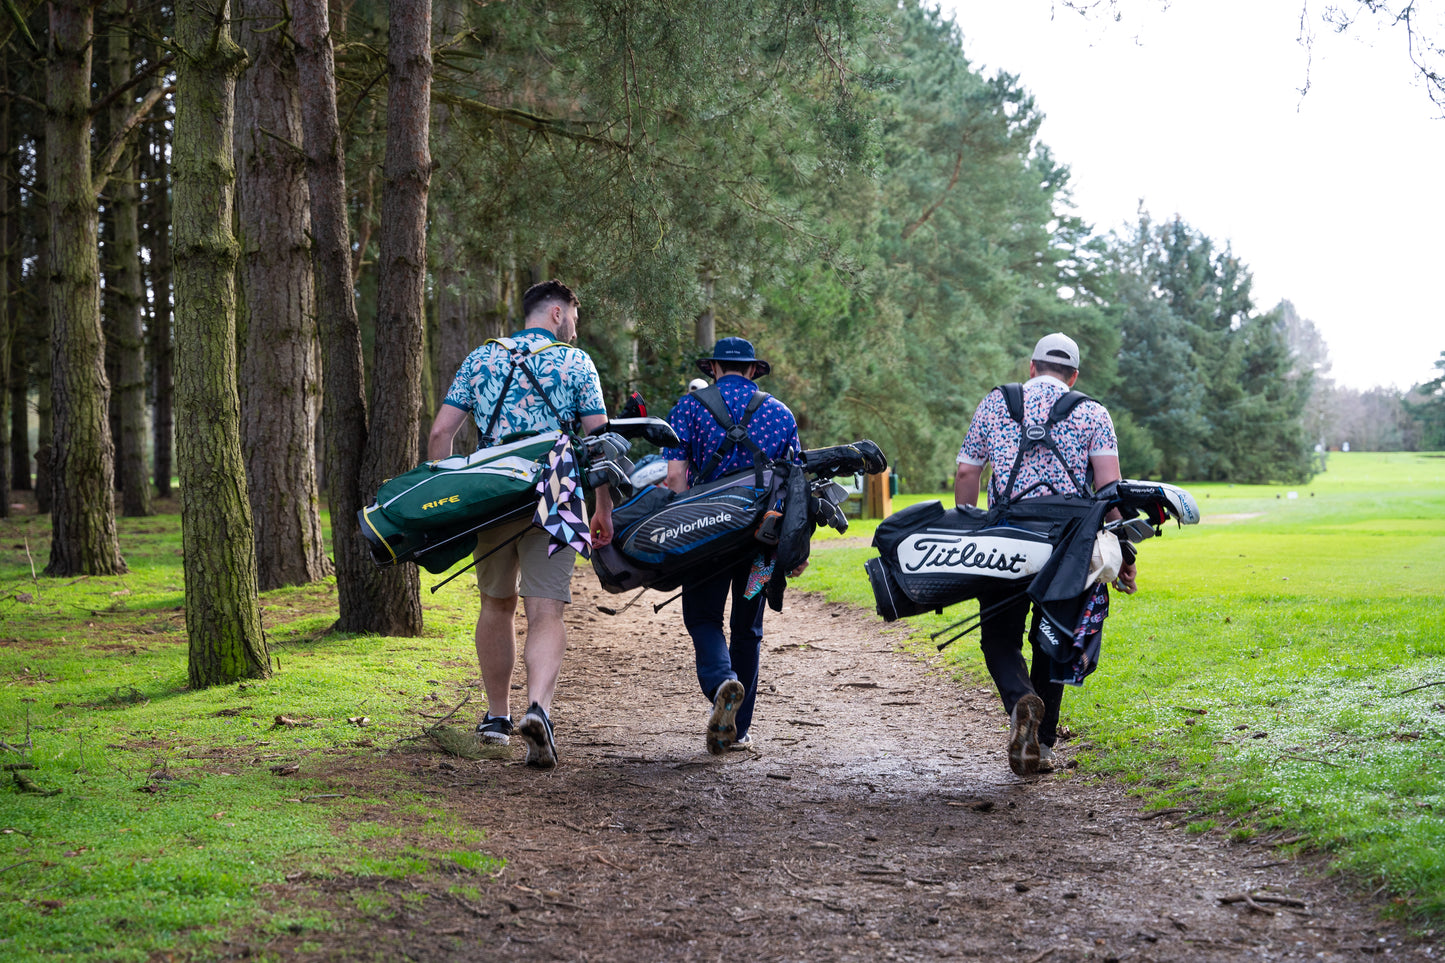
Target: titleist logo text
pixel 1001 556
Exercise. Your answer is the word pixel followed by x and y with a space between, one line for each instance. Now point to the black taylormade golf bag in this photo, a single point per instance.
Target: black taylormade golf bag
pixel 661 538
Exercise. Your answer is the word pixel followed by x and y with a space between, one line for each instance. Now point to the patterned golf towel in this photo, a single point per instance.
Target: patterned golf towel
pixel 561 509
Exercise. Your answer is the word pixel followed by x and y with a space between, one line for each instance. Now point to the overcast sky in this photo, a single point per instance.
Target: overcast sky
pixel 1334 199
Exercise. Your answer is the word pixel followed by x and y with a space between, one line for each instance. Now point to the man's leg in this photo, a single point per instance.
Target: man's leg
pixel 702 615
pixel 1001 638
pixel 745 650
pixel 1051 692
pixel 546 644
pixel 496 639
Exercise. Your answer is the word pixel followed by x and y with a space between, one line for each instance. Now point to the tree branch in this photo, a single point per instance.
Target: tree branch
pixel 957 167
pixel 544 125
pixel 116 146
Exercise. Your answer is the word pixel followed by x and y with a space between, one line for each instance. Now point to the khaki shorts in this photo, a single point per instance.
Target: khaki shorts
pixel 522 567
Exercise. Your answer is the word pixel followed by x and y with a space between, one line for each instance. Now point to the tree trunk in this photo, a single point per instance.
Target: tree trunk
pixel 223 614
pixel 344 396
pixel 162 352
pixel 123 283
pixel 82 457
pixel 282 384
pixel 17 379
pixel 457 314
pixel 705 329
pixel 7 254
pixel 391 446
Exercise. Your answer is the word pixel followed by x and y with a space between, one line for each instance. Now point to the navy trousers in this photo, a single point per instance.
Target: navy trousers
pixel 719 659
pixel 1001 636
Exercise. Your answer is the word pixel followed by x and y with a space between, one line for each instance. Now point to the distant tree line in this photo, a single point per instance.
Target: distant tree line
pixel 247 244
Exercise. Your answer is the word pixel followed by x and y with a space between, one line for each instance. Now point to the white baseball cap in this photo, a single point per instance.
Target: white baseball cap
pixel 1057 349
pixel 695 384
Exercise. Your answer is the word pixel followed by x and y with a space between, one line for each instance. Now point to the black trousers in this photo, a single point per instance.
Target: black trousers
pixel 1001 636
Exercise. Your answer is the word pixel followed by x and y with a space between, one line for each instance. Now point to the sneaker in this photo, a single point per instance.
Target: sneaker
pixel 1048 762
pixel 494 730
pixel 722 726
pixel 536 731
pixel 1023 740
pixel 742 743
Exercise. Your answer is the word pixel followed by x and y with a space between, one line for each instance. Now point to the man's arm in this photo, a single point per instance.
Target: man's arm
pixel 1106 470
pixel 443 429
pixel 602 514
pixel 965 484
pixel 677 476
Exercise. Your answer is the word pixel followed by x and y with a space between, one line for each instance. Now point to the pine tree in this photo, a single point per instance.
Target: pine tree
pixel 223 617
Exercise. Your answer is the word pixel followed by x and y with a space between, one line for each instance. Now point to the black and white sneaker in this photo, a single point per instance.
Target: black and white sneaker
pixel 722 725
pixel 536 730
pixel 742 743
pixel 495 730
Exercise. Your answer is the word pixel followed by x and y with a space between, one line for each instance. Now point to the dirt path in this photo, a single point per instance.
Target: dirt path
pixel 876 819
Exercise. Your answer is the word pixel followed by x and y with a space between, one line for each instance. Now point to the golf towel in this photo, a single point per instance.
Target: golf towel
pixel 560 506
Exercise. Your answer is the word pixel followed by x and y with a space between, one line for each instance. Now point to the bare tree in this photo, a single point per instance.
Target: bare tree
pixel 343 397
pixel 123 287
pixel 82 456
pixel 280 373
pixel 393 440
pixel 223 614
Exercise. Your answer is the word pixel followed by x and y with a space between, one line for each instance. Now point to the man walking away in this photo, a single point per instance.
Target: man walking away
pixel 533 381
pixel 1086 443
pixel 728 671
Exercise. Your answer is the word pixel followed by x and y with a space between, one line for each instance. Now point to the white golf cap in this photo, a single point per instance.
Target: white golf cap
pixel 1057 348
pixel 696 383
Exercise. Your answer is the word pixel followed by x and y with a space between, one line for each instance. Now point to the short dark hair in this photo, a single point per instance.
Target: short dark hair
pixel 553 290
pixel 720 368
pixel 1061 371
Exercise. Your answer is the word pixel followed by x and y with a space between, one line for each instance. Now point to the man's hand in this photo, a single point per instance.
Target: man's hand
pixel 799 570
pixel 1127 582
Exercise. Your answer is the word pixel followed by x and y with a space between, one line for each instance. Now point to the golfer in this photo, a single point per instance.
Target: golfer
pixel 727 668
pixel 1087 443
pixel 569 392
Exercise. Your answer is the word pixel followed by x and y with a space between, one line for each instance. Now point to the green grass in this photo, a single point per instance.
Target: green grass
pixel 1260 676
pixel 163 813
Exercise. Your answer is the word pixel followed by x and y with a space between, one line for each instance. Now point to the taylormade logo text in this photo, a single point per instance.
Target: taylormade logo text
pixel 662 535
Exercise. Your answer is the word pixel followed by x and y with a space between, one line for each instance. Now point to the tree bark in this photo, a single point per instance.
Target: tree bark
pixel 123 284
pixel 457 315
pixel 223 616
pixel 344 395
pixel 7 254
pixel 391 446
pixel 282 383
pixel 82 456
pixel 162 352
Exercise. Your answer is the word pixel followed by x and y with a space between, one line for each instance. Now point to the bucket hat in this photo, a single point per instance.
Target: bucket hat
pixel 734 351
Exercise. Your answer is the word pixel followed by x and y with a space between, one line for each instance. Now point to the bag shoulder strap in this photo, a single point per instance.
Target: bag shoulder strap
pixel 1031 436
pixel 518 354
pixel 734 434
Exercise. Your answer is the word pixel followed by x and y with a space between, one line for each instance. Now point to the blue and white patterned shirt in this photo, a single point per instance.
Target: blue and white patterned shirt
pixel 566 373
pixel 994 437
pixel 772 427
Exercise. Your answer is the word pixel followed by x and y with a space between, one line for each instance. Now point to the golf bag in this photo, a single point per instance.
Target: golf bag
pixel 431 514
pixel 1036 548
pixel 662 538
